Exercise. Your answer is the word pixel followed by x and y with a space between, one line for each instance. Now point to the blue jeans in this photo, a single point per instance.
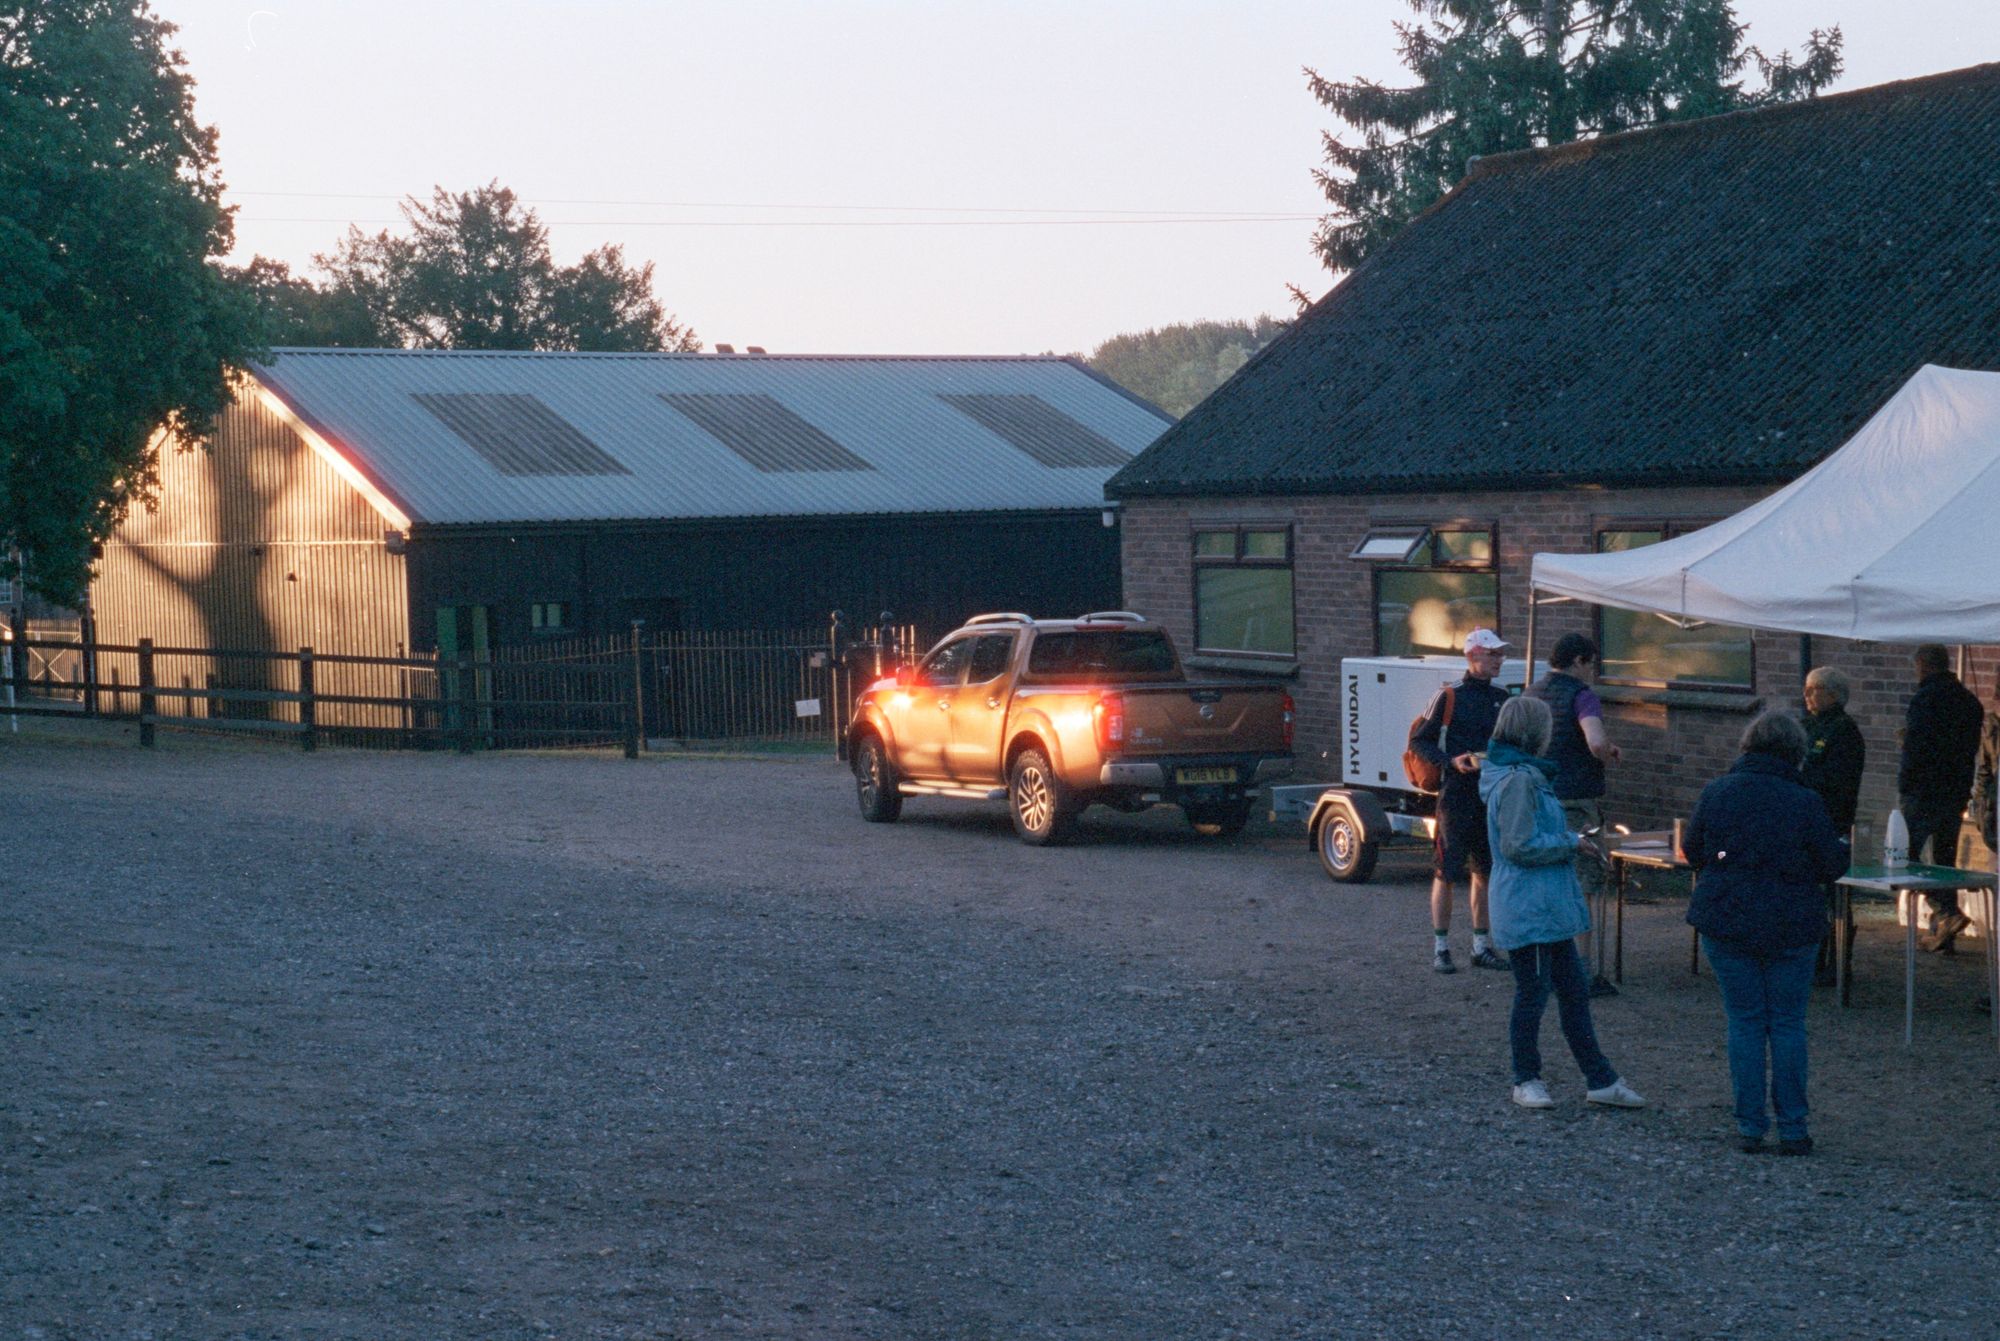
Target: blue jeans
pixel 1765 997
pixel 1538 969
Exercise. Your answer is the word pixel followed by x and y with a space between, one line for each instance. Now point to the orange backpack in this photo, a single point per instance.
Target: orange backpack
pixel 1424 774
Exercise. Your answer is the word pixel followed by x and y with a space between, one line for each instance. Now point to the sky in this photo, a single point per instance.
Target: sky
pixel 863 176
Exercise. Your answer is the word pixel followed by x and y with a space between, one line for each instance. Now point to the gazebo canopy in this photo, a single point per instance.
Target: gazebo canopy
pixel 1890 539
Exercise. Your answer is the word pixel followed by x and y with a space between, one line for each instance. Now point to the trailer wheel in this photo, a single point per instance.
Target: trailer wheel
pixel 1347 856
pixel 875 782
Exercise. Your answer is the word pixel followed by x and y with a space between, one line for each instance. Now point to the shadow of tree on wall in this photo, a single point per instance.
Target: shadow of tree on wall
pixel 232 583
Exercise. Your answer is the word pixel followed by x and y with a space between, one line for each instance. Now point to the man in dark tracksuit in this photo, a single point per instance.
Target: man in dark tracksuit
pixel 1934 779
pixel 1457 748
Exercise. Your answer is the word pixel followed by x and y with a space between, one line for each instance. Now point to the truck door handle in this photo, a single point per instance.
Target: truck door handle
pixel 992 702
pixel 944 705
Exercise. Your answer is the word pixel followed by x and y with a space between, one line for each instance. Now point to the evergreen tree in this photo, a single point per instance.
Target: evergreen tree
pixel 114 322
pixel 1498 75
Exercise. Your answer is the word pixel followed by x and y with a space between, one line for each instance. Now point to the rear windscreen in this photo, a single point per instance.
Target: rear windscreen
pixel 1094 653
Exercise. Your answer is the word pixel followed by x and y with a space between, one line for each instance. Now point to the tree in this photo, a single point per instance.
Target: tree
pixel 1176 367
pixel 476 272
pixel 292 310
pixel 1499 75
pixel 114 323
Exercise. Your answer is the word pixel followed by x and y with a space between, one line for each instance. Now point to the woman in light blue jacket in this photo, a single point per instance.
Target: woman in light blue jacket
pixel 1538 907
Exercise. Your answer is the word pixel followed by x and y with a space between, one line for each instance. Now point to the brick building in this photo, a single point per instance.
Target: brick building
pixel 1590 347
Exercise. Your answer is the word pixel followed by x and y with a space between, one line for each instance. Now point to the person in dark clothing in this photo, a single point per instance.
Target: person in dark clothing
pixel 1458 747
pixel 1835 752
pixel 1934 778
pixel 1763 850
pixel 1580 749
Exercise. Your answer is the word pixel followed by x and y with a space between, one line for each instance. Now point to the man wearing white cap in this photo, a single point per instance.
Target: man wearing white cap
pixel 1452 734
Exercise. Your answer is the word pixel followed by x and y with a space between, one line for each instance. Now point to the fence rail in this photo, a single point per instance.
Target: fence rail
pixel 687 688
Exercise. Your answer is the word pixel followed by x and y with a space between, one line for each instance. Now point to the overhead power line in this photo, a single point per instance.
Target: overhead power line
pixel 1176 215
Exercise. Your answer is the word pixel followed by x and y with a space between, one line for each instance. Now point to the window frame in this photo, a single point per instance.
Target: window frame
pixel 1669 528
pixel 1429 548
pixel 1238 559
pixel 537 617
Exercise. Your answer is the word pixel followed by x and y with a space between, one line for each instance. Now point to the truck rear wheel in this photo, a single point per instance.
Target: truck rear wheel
pixel 875 783
pixel 1221 819
pixel 1343 851
pixel 1043 812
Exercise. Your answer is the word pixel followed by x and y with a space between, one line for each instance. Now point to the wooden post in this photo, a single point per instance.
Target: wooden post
pixel 308 713
pixel 633 716
pixel 638 696
pixel 468 695
pixel 146 701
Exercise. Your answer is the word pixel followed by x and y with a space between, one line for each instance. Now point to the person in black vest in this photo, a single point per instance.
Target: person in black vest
pixel 1580 749
pixel 1458 748
pixel 1835 752
pixel 1934 779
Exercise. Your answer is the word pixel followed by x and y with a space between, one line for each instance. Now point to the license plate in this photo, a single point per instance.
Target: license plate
pixel 1189 777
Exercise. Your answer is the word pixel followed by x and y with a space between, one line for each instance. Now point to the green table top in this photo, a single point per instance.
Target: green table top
pixel 1914 876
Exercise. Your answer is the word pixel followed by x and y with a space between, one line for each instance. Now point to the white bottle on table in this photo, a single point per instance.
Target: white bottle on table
pixel 1895 842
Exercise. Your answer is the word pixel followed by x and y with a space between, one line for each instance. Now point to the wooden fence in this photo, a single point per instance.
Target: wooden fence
pixel 682 687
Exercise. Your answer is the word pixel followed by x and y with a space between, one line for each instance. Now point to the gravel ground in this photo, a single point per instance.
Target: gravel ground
pixel 354 1045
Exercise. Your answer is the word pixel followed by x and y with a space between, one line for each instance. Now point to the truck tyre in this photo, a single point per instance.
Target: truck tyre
pixel 1221 819
pixel 1347 856
pixel 1042 810
pixel 875 782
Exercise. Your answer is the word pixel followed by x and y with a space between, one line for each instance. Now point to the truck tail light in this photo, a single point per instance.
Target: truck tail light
pixel 1291 719
pixel 1107 718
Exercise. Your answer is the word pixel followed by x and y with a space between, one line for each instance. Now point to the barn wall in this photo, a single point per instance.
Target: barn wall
pixel 778 573
pixel 256 543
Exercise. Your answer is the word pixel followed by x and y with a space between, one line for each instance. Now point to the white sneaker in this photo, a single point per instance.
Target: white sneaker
pixel 1616 1095
pixel 1533 1094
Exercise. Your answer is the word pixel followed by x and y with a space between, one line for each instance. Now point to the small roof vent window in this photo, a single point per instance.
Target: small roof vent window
pixel 1032 425
pixel 765 434
pixel 1391 544
pixel 518 435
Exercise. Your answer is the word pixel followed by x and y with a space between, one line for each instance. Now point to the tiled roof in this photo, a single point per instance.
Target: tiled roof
pixel 481 438
pixel 1718 301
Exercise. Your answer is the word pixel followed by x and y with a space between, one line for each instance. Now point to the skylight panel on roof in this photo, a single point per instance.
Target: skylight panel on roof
pixel 764 433
pixel 518 435
pixel 1039 429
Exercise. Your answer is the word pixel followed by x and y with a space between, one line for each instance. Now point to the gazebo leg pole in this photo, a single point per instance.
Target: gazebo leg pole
pixel 1528 675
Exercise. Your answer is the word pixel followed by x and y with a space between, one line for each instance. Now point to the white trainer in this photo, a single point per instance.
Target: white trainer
pixel 1533 1094
pixel 1616 1095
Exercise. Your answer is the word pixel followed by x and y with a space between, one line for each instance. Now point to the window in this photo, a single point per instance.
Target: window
pixel 1450 588
pixel 1648 650
pixel 1243 590
pixel 548 616
pixel 990 654
pixel 1101 654
pixel 946 665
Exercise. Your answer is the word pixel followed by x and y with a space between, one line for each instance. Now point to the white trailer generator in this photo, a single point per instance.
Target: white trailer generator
pixel 1375 803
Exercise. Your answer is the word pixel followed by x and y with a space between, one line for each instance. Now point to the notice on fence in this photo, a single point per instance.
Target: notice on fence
pixel 808 707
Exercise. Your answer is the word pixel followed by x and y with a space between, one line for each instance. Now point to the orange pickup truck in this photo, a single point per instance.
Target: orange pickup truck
pixel 1059 714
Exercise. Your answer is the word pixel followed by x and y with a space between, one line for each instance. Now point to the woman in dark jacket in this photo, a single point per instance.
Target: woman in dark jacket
pixel 1764 850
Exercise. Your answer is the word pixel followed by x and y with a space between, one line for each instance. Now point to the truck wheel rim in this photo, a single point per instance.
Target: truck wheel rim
pixel 1032 799
pixel 871 775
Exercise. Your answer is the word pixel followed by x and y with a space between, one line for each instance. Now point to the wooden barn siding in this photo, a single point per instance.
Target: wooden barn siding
pixel 775 574
pixel 256 544
pixel 1669 752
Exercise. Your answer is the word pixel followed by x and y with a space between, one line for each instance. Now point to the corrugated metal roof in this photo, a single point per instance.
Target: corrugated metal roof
pixel 891 413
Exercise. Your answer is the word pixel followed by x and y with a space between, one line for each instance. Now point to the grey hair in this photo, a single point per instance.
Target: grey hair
pixel 1832 681
pixel 1778 734
pixel 1524 723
